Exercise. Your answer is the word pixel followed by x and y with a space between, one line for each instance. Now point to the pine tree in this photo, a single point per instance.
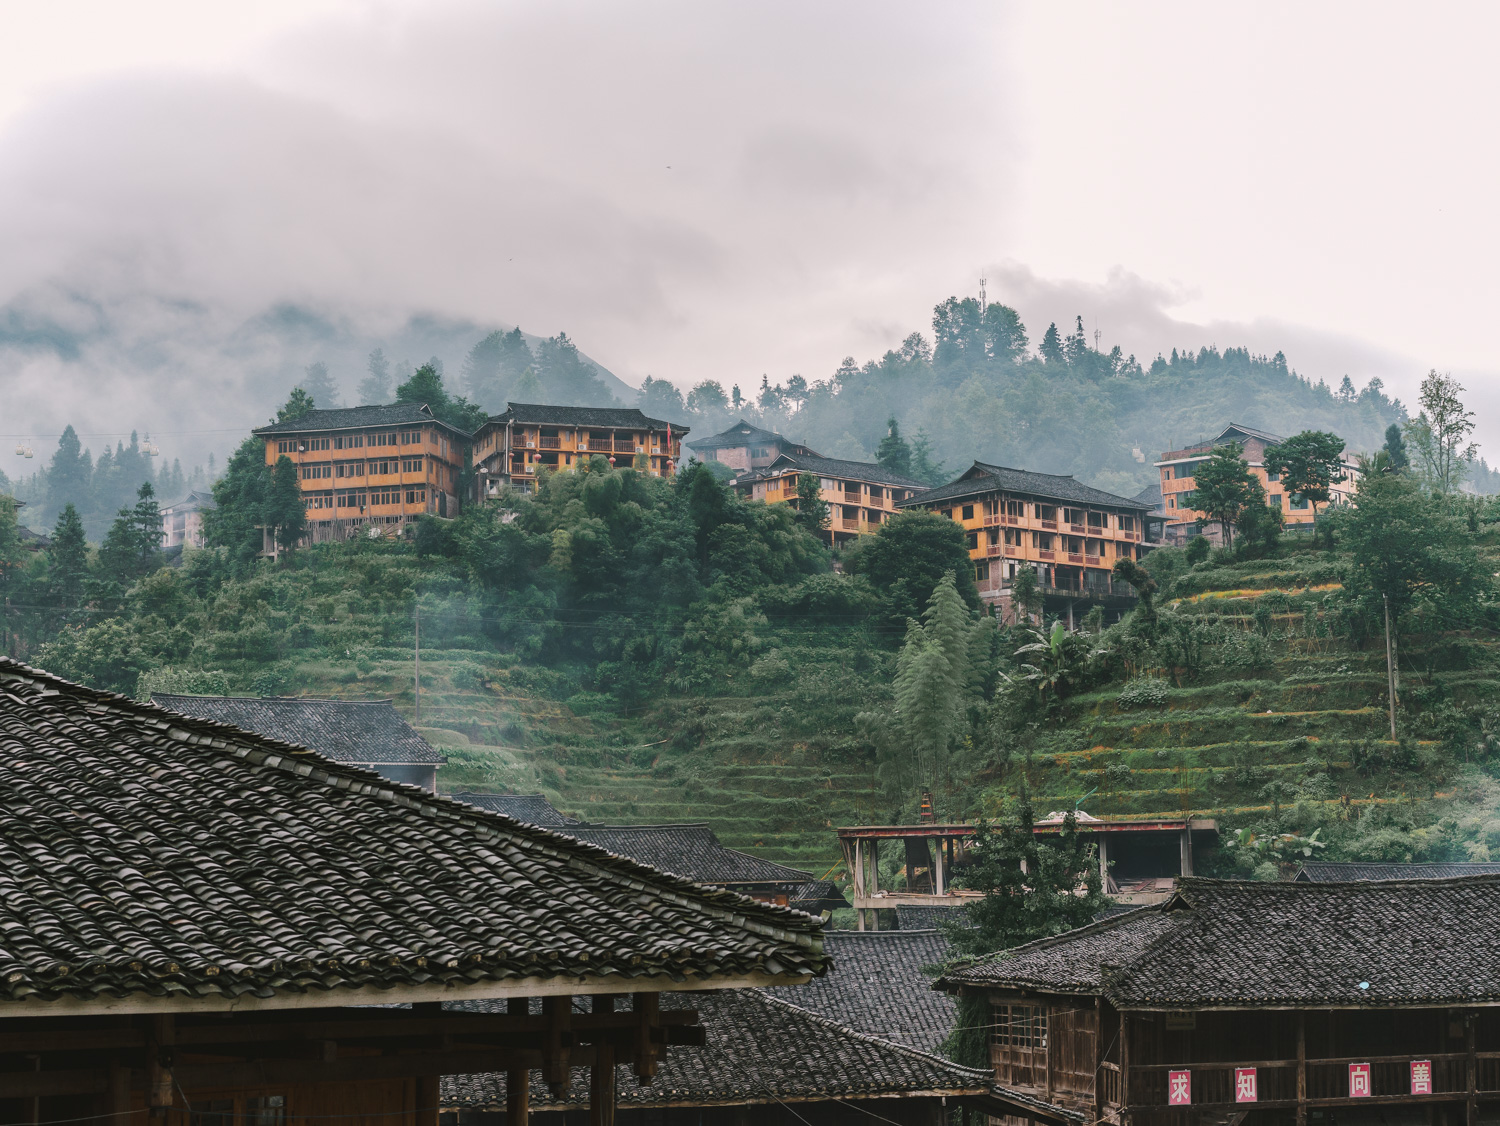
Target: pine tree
pixel 931 687
pixel 812 509
pixel 67 565
pixel 285 508
pixel 70 476
pixel 319 385
pixel 923 468
pixel 299 404
pixel 240 502
pixel 893 452
pixel 1395 447
pixel 1052 348
pixel 375 387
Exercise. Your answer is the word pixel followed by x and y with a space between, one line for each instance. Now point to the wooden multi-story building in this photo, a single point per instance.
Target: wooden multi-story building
pixel 1295 1003
pixel 512 448
pixel 182 523
pixel 1069 533
pixel 744 447
pixel 860 495
pixel 364 467
pixel 1176 468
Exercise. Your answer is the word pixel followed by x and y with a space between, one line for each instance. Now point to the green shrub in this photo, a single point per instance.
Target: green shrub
pixel 1146 692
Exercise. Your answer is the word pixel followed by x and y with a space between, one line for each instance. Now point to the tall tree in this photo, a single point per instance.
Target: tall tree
pixel 1051 347
pixel 1222 488
pixel 286 508
pixel 70 476
pixel 320 385
pixel 375 387
pixel 1395 447
pixel 1440 433
pixel 299 405
pixel 426 387
pixel 131 549
pixel 12 573
pixel 812 509
pixel 893 452
pixel 1310 463
pixel 240 495
pixel 907 558
pixel 1032 888
pixel 923 466
pixel 67 565
pixel 660 398
pixel 932 681
pixel 569 378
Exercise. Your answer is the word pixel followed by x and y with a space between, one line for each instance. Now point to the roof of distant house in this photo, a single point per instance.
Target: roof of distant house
pixel 880 986
pixel 760 1049
pixel 689 850
pixel 533 809
pixel 819 896
pixel 357 418
pixel 743 433
pixel 196 500
pixel 180 863
pixel 919 917
pixel 1221 943
pixel 1151 497
pixel 367 732
pixel 983 478
pixel 1328 872
pixel 623 418
pixel 832 467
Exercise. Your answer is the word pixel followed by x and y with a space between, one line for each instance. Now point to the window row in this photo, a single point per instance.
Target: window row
pixel 1017 509
pixel 361 498
pixel 351 441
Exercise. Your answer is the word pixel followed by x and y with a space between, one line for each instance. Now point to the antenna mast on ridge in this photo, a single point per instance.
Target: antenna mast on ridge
pixel 983 303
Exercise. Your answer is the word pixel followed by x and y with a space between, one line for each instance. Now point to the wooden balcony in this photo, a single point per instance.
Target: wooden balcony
pixel 849 524
pixel 551 443
pixel 1074 557
pixel 1077 529
pixel 1091 560
pixel 624 447
pixel 1046 555
pixel 1050 524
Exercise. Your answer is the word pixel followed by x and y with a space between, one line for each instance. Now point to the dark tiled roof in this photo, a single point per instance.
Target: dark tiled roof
pixel 1229 943
pixel 539 414
pixel 358 731
pixel 1249 432
pixel 741 433
pixel 353 418
pixel 1322 873
pixel 879 985
pixel 982 478
pixel 1068 963
pixel 831 467
pixel 759 1049
pixel 1151 497
pixel 530 808
pixel 819 896
pixel 692 851
pixel 195 501
pixel 912 917
pixel 146 855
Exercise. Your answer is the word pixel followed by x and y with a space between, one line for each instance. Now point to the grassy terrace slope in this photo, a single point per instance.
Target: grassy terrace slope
pixel 1292 718
pixel 772 769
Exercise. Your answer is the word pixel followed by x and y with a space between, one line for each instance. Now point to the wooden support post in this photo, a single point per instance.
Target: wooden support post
pixel 555 1072
pixel 1104 861
pixel 602 1086
pixel 1471 1021
pixel 1099 1047
pixel 1047 1050
pixel 648 1008
pixel 119 1093
pixel 429 1100
pixel 1187 849
pixel 518 1079
pixel 859 879
pixel 159 1084
pixel 939 876
pixel 1124 1069
pixel 874 880
pixel 1301 1069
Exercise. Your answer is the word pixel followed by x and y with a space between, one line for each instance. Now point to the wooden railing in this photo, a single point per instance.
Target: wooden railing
pixel 850 524
pixel 624 447
pixel 1050 524
pixel 551 443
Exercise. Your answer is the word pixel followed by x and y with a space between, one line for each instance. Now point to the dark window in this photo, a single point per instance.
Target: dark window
pixel 968 512
pixel 982 570
pixel 973 540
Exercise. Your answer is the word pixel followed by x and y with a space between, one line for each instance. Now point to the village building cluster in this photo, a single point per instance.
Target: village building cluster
pixel 374 470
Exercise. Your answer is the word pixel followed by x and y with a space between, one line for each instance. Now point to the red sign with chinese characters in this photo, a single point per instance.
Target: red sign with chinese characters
pixel 1179 1088
pixel 1359 1080
pixel 1244 1085
pixel 1421 1077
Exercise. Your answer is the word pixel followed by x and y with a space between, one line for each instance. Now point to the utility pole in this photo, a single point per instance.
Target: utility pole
pixel 1390 666
pixel 417 665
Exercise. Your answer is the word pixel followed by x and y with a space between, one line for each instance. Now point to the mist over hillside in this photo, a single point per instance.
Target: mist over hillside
pixel 194 376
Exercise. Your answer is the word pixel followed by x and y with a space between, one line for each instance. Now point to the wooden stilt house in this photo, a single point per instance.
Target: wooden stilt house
pixel 1331 1004
pixel 210 927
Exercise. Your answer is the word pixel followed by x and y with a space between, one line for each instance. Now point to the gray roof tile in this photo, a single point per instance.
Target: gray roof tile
pixel 145 853
pixel 759 1049
pixel 692 851
pixel 541 414
pixel 832 467
pixel 367 732
pixel 1328 872
pixel 880 985
pixel 530 808
pixel 354 418
pixel 982 478
pixel 1231 943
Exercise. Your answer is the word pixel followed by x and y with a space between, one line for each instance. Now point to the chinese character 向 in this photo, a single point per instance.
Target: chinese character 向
pixel 1359 1080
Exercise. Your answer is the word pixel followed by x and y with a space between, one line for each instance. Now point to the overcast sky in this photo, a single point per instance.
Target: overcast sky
pixel 695 190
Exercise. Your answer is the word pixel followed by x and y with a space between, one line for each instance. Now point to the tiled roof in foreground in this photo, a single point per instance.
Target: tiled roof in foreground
pixel 760 1049
pixel 1322 872
pixel 879 985
pixel 1239 944
pixel 146 855
pixel 359 731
